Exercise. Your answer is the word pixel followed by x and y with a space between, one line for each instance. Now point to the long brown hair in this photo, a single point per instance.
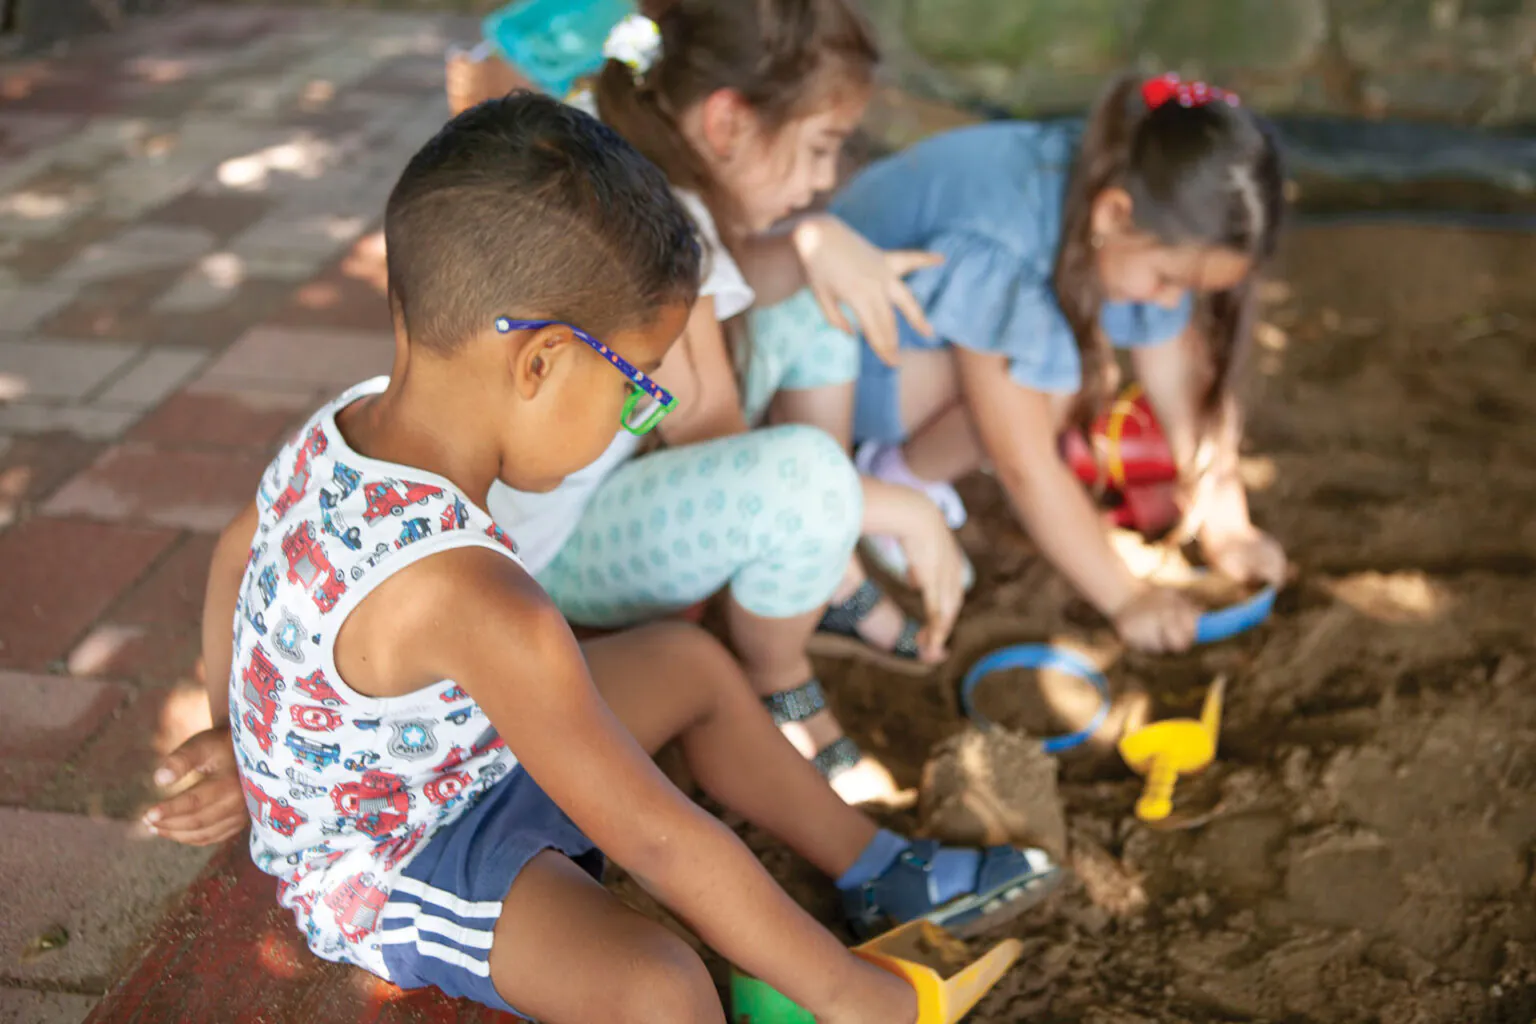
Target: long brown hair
pixel 1206 175
pixel 785 57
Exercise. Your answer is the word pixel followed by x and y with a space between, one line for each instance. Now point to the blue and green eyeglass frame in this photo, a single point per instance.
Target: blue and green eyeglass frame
pixel 648 402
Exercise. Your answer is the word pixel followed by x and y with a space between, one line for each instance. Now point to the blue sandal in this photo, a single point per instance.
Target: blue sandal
pixel 1010 881
pixel 806 701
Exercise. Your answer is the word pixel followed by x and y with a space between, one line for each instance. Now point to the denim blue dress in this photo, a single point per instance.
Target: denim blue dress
pixel 990 199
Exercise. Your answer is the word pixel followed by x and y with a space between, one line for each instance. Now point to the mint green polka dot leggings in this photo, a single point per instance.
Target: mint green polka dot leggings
pixel 773 513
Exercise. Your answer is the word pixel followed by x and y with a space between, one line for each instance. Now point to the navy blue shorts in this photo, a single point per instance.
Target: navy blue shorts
pixel 438 924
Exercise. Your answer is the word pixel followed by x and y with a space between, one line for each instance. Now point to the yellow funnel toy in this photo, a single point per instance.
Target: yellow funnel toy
pixel 934 962
pixel 1163 751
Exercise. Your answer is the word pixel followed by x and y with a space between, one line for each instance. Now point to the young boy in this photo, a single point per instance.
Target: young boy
pixel 430 761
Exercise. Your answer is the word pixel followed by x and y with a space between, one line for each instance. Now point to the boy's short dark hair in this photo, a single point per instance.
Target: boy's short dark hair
pixel 523 206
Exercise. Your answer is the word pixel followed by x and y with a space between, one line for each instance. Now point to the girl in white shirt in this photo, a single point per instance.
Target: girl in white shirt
pixel 745 107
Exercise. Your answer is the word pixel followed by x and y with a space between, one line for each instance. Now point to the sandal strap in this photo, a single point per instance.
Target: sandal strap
pixel 837 757
pixel 906 640
pixel 804 701
pixel 845 616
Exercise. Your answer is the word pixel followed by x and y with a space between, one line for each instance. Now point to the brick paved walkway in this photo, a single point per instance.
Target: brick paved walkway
pixel 188 263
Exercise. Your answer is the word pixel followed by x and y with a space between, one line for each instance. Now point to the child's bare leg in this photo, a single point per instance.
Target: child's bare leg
pixel 566 950
pixel 829 407
pixel 772 654
pixel 673 681
pixel 945 448
pixel 941 444
pixel 670 682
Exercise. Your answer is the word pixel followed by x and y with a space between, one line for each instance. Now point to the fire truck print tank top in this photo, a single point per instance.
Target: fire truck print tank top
pixel 343 787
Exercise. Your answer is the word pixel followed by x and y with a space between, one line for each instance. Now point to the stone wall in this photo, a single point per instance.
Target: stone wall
pixel 1463 61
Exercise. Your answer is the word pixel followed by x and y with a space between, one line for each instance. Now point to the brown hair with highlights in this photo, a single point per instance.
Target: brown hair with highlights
pixel 786 58
pixel 1205 175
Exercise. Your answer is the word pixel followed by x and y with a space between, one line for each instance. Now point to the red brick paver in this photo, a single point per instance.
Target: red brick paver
pixel 60 574
pixel 153 632
pixel 228 944
pixel 186 271
pixel 226 419
pixel 194 490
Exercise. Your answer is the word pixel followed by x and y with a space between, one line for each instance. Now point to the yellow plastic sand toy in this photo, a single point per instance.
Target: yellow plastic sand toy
pixel 935 963
pixel 1163 751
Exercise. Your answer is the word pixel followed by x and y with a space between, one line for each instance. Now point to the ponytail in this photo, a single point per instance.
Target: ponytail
pixel 1200 171
pixel 1100 164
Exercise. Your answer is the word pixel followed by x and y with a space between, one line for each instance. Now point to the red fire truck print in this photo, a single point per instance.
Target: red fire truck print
pixel 357 903
pixel 454 517
pixel 499 536
pixel 259 682
pixel 455 758
pixel 319 689
pixel 314 719
pixel 310 568
pixel 394 850
pixel 453 693
pixel 271 812
pixel 490 739
pixel 376 804
pixel 445 788
pixel 298 481
pixel 393 497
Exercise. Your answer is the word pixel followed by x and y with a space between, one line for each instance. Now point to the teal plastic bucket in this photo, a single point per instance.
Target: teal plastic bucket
pixel 555 42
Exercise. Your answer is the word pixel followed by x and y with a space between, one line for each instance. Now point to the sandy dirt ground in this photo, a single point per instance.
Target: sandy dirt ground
pixel 1361 850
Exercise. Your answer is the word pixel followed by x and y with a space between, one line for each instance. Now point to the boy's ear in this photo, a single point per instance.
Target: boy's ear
pixel 536 359
pixel 1112 209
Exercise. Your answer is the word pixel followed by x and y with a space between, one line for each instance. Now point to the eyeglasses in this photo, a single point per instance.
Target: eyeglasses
pixel 648 402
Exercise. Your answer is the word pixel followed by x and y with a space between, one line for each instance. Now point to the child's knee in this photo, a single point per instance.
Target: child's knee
pixel 669 984
pixel 810 460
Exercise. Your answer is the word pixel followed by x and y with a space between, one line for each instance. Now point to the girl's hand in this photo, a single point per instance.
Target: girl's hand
pixel 1158 620
pixel 936 568
pixel 841 267
pixel 1248 555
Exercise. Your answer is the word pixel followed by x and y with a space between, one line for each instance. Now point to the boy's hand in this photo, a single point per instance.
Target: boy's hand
pixel 842 268
pixel 1158 620
pixel 875 996
pixel 936 567
pixel 213 809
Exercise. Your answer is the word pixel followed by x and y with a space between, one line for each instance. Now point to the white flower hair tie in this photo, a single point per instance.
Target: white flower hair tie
pixel 634 42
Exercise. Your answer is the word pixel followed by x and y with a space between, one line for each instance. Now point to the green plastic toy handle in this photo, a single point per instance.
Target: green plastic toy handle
pixel 753 1002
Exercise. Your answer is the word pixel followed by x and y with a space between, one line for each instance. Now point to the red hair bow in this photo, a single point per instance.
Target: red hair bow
pixel 1157 91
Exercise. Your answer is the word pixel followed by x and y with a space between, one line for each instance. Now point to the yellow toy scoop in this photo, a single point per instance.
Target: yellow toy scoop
pixel 1163 751
pixel 935 963
pixel 939 967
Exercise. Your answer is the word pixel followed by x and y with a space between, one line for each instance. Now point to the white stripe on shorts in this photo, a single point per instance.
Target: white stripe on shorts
pixel 420 919
pixel 447 900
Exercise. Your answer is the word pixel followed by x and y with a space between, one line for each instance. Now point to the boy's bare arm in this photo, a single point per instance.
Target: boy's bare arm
pixel 474 617
pixel 213 809
pixel 225 572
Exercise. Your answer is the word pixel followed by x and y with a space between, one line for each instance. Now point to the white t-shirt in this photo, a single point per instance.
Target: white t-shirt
pixel 542 523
